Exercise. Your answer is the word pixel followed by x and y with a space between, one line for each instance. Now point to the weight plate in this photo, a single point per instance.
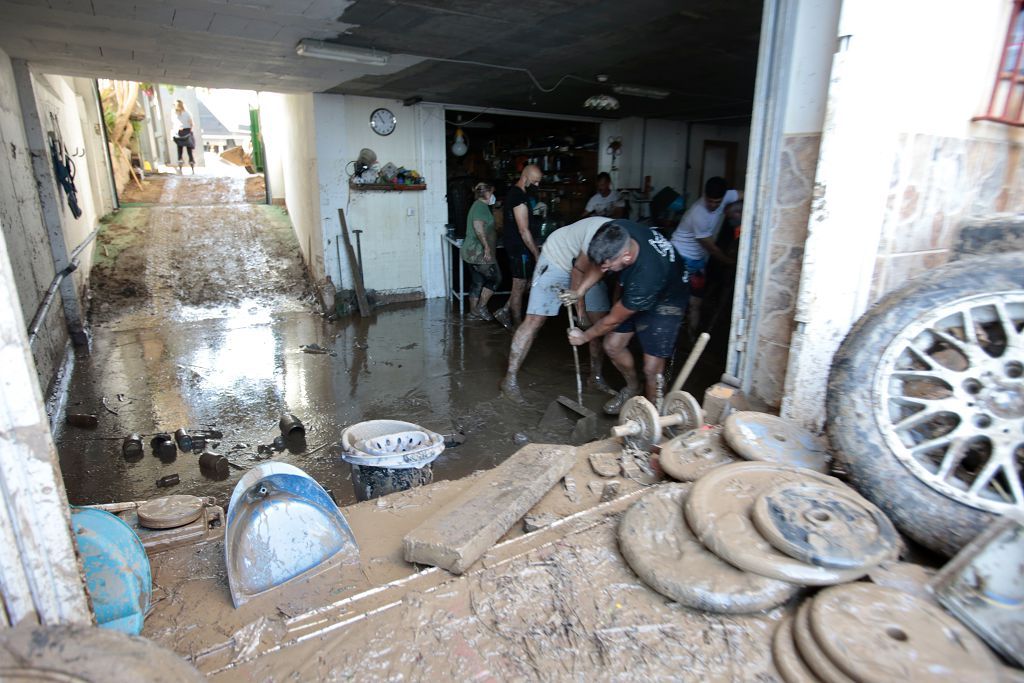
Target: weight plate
pixel 908 577
pixel 824 525
pixel 688 456
pixel 718 510
pixel 641 412
pixel 787 660
pixel 878 635
pixel 169 512
pixel 682 403
pixel 760 436
pixel 811 652
pixel 664 553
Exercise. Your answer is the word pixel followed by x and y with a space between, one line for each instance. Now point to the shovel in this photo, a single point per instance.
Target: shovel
pixel 564 413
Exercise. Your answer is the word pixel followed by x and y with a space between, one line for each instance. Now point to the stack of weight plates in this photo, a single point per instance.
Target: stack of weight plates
pixel 746 536
pixel 863 632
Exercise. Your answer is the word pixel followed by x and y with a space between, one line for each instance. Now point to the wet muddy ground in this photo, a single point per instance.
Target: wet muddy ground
pixel 199 314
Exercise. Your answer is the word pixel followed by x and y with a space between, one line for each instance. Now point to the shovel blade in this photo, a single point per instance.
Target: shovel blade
pixel 566 416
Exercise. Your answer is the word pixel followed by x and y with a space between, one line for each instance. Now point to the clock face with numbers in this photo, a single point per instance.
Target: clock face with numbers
pixel 383 121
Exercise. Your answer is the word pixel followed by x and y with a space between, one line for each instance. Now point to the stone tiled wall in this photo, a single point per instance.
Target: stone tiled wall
pixel 938 184
pixel 797 163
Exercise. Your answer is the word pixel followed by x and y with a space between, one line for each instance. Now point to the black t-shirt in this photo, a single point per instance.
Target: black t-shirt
pixel 656 281
pixel 510 236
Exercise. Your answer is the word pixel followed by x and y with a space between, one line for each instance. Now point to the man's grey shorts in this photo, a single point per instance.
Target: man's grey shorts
pixel 548 281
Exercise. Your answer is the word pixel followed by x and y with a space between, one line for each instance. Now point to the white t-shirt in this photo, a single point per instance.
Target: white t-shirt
pixel 566 243
pixel 699 223
pixel 602 206
pixel 183 118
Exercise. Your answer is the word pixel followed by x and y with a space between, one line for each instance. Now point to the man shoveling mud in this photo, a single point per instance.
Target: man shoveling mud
pixel 654 297
pixel 562 265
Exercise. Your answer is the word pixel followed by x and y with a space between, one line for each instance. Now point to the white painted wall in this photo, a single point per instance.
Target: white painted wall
pixel 813 47
pixel 289 135
pixel 314 138
pixel 660 151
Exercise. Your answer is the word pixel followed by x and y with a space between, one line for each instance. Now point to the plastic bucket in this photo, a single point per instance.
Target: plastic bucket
pixel 387 456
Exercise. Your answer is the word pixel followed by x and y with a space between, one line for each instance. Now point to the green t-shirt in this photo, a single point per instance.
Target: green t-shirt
pixel 472 250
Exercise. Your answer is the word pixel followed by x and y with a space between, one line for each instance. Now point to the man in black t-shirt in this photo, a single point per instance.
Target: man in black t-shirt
pixel 520 244
pixel 654 298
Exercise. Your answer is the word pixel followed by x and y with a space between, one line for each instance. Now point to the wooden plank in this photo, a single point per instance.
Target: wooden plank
pixel 458 534
pixel 357 267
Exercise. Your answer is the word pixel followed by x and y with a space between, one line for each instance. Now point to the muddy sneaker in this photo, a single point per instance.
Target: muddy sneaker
pixel 503 317
pixel 473 315
pixel 484 313
pixel 613 406
pixel 597 383
pixel 510 390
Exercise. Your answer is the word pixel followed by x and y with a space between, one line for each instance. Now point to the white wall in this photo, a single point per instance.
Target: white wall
pixel 811 65
pixel 314 138
pixel 289 136
pixel 660 151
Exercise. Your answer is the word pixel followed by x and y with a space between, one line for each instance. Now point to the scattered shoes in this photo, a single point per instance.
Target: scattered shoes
pixel 613 406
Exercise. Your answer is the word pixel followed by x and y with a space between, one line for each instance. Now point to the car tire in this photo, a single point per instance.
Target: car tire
pixel 910 376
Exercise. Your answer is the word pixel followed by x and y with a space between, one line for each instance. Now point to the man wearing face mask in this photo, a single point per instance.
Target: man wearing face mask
pixel 478 250
pixel 520 244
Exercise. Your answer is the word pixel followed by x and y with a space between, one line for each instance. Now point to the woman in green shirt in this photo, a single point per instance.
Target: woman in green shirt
pixel 478 251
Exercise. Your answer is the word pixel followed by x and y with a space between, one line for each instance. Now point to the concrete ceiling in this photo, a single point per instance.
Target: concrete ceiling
pixel 703 52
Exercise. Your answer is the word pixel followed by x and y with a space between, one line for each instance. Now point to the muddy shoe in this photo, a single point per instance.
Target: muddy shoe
pixel 510 390
pixel 503 317
pixel 484 313
pixel 473 315
pixel 597 383
pixel 613 406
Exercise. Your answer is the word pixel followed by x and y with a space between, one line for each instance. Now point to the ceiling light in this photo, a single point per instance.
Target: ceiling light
pixel 601 78
pixel 308 47
pixel 459 147
pixel 640 91
pixel 602 103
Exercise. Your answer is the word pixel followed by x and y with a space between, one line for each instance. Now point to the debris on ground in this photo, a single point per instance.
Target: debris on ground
pixel 317 349
pixel 83 420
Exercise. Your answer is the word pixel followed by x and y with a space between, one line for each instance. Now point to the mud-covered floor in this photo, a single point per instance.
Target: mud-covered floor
pixel 200 309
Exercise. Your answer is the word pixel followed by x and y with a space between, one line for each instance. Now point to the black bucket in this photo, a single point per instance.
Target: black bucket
pixel 373 482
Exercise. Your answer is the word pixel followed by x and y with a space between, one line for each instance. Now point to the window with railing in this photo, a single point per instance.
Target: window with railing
pixel 1007 102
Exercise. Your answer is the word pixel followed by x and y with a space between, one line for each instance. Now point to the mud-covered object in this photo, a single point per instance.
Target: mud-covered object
pixel 824 525
pixel 892 362
pixel 689 456
pixel 787 660
pixel 809 650
pixel 719 508
pixel 170 512
pixel 659 546
pixel 760 436
pixel 374 482
pixel 30 652
pixel 879 635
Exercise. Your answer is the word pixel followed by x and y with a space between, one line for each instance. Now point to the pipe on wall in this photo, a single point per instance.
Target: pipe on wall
pixel 51 292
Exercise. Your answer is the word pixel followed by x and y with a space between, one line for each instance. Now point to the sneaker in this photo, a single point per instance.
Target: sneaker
pixel 503 317
pixel 597 383
pixel 510 390
pixel 484 313
pixel 613 406
pixel 473 315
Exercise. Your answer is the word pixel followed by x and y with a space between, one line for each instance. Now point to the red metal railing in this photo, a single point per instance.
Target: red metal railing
pixel 1007 102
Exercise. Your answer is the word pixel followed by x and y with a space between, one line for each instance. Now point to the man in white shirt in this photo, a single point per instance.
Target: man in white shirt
pixel 605 202
pixel 694 238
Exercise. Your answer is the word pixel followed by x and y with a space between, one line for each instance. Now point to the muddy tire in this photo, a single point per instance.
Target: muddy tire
pixel 925 401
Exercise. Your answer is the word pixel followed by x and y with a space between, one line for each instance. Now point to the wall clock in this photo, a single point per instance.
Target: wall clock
pixel 383 121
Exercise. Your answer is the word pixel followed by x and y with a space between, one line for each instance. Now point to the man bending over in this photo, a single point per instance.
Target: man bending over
pixel 654 296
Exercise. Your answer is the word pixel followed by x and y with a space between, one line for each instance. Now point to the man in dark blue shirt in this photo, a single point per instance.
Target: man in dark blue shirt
pixel 654 298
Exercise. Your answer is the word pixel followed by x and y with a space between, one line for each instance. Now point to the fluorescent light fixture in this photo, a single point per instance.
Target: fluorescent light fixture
pixel 309 47
pixel 641 91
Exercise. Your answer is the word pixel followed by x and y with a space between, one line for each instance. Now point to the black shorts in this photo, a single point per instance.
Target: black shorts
pixel 484 276
pixel 656 332
pixel 520 262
